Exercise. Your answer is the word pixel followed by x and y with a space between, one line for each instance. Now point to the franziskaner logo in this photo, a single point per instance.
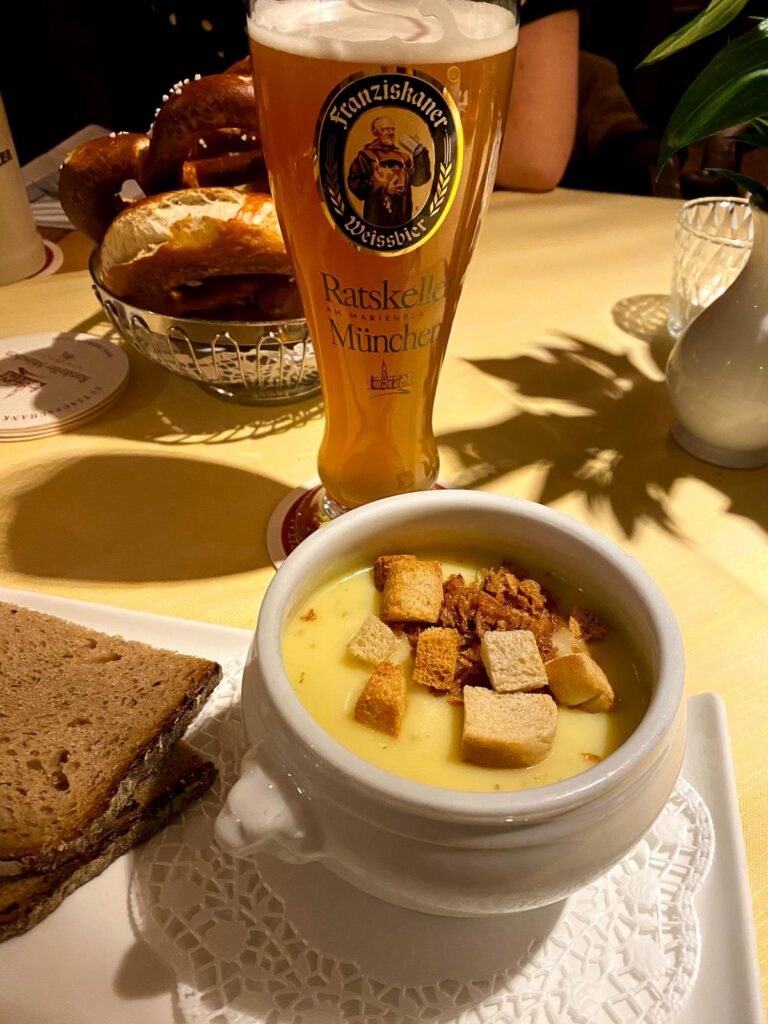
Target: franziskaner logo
pixel 389 150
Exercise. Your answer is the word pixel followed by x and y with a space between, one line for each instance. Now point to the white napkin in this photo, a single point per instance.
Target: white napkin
pixel 41 176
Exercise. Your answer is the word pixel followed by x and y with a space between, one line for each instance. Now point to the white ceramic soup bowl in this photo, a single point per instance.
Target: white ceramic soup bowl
pixel 302 796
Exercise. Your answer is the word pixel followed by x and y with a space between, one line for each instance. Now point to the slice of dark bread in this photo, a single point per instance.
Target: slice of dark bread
pixel 84 718
pixel 185 776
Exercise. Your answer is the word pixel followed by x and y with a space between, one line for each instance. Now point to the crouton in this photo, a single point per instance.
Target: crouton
pixel 381 705
pixel 600 702
pixel 507 730
pixel 413 592
pixel 586 626
pixel 577 680
pixel 373 642
pixel 436 656
pixel 512 660
pixel 382 566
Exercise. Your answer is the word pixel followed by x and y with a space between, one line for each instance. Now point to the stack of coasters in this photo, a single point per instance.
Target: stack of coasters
pixel 55 381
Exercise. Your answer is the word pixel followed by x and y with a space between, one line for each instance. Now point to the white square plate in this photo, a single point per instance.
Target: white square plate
pixel 83 964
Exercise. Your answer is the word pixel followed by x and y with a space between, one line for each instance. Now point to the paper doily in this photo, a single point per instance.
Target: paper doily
pixel 624 949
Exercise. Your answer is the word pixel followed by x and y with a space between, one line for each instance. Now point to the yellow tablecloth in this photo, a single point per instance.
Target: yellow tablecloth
pixel 552 389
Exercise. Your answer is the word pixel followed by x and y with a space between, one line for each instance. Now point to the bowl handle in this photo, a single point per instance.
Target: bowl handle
pixel 267 812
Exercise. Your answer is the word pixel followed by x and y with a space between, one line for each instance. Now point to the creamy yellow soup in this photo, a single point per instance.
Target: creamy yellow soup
pixel 328 680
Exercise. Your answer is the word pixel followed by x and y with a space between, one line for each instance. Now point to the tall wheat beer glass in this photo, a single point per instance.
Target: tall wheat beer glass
pixel 381 122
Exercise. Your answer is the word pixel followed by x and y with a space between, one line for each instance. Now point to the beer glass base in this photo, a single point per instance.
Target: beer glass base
pixel 297 517
pixel 312 511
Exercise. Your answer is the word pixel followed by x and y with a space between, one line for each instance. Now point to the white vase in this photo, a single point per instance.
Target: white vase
pixel 717 374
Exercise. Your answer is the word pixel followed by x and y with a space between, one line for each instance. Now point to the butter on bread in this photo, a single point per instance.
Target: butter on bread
pixel 437 652
pixel 512 660
pixel 381 705
pixel 86 718
pixel 27 900
pixel 507 730
pixel 374 641
pixel 577 681
pixel 413 591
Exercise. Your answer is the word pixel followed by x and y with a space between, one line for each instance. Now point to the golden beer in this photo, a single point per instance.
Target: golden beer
pixel 381 153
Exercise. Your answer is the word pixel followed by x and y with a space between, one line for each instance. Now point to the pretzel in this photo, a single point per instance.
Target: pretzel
pixel 193 250
pixel 206 133
pixel 92 176
pixel 240 67
pixel 216 101
pixel 220 141
pixel 227 156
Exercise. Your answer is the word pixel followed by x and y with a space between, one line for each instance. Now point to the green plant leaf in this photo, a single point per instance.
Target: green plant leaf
pixel 757 136
pixel 757 190
pixel 732 89
pixel 718 14
pixel 751 139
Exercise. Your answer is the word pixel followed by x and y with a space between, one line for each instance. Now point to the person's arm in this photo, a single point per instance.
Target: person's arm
pixel 541 124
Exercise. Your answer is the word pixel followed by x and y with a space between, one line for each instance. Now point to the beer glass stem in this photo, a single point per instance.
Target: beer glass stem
pixel 330 509
pixel 312 510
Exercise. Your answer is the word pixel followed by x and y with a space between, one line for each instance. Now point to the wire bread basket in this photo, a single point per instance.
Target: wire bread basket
pixel 267 363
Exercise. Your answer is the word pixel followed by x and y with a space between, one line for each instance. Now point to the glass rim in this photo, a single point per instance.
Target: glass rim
pixel 736 201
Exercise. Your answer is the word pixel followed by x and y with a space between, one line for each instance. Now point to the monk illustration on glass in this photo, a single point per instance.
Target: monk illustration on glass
pixel 384 172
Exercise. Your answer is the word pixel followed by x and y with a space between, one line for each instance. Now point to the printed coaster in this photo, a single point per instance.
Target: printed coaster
pixel 53 381
pixel 32 434
pixel 281 529
pixel 54 257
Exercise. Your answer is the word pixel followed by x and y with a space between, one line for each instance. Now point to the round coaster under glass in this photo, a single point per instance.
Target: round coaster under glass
pixel 54 258
pixel 300 514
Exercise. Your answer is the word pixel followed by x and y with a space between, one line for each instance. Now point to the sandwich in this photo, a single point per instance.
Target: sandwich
pixel 26 900
pixel 88 724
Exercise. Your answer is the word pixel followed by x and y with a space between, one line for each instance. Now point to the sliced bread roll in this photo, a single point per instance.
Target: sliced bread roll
pixel 193 250
pixel 84 718
pixel 24 902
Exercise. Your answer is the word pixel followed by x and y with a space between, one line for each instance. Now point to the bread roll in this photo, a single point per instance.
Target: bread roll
pixel 193 250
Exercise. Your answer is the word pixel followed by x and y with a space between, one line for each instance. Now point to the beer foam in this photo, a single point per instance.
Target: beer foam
pixel 384 31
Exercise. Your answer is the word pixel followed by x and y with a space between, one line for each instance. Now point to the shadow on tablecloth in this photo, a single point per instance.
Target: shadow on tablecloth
pixel 137 518
pixel 599 422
